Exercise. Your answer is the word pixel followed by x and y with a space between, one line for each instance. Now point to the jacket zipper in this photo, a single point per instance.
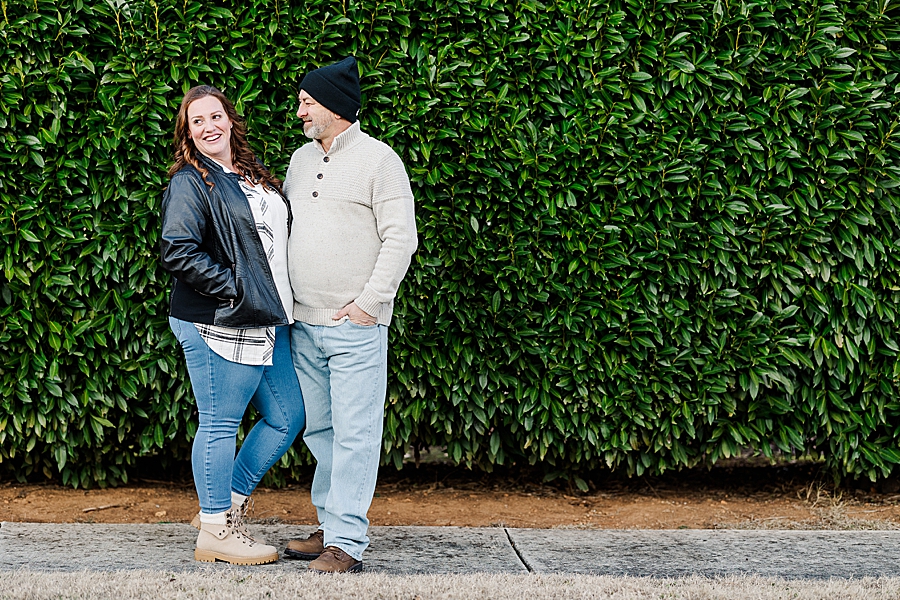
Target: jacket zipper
pixel 233 270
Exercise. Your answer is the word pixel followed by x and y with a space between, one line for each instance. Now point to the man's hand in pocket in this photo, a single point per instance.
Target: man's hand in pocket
pixel 355 314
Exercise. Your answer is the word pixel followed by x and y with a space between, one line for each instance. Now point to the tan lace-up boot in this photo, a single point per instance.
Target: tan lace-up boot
pixel 245 507
pixel 228 544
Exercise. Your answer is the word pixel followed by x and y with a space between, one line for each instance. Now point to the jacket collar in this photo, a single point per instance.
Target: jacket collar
pixel 346 139
pixel 214 167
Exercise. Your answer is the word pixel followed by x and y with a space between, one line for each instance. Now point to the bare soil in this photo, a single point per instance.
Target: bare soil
pixel 791 496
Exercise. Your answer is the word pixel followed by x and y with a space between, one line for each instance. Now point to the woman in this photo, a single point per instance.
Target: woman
pixel 224 239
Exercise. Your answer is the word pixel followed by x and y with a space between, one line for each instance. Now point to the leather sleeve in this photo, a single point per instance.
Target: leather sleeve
pixel 185 218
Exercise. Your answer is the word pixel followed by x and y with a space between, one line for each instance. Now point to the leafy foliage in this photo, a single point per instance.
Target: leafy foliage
pixel 652 235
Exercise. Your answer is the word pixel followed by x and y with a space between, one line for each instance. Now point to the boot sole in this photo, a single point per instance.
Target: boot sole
pixel 357 568
pixel 288 553
pixel 209 556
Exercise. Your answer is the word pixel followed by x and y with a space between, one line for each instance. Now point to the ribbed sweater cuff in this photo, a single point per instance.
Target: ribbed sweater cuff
pixel 369 302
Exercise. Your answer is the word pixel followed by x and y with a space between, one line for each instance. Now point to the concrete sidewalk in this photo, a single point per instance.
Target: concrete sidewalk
pixel 447 550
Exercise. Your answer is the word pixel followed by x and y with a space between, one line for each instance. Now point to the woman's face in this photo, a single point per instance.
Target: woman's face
pixel 210 128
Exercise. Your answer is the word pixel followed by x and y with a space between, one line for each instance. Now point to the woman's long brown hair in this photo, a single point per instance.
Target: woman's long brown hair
pixel 242 157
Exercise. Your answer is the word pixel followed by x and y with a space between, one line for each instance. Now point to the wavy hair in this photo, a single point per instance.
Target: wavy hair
pixel 242 157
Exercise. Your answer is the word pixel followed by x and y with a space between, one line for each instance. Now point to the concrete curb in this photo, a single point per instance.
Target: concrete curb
pixel 71 547
pixel 679 553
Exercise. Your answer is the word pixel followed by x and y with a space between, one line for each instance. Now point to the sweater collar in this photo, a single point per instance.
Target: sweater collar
pixel 346 139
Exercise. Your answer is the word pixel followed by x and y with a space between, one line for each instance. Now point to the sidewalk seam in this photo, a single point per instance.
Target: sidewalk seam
pixel 516 550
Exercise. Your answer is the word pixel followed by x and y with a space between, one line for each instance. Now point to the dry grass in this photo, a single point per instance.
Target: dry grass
pixel 229 584
pixel 830 511
pixel 833 518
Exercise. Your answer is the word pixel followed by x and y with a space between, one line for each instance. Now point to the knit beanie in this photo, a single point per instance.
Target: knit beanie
pixel 336 87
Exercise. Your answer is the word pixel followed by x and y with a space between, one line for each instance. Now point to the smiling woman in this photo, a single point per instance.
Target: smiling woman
pixel 225 227
pixel 210 129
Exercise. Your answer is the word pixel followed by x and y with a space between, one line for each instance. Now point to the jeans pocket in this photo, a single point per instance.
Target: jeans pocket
pixel 352 324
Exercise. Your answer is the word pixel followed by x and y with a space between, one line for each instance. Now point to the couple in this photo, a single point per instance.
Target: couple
pixel 278 290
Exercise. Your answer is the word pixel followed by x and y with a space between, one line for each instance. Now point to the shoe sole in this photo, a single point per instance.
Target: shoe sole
pixel 288 553
pixel 209 556
pixel 357 568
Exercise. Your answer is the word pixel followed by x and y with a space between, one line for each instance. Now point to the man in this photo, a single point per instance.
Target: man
pixel 353 236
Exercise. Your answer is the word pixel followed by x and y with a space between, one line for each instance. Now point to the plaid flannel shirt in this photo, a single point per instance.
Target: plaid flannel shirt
pixel 253 346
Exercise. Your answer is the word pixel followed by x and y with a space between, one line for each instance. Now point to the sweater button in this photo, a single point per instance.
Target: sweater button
pixel 315 194
pixel 326 159
pixel 319 176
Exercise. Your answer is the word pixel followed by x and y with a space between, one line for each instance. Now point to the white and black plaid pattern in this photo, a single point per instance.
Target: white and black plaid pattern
pixel 247 346
pixel 263 215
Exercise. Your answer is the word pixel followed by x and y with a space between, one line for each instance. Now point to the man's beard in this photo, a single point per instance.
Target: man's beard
pixel 313 130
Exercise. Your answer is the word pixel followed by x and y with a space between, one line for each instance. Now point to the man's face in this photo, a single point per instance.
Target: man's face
pixel 316 118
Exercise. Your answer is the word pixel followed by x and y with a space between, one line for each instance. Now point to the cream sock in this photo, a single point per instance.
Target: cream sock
pixel 214 518
pixel 237 499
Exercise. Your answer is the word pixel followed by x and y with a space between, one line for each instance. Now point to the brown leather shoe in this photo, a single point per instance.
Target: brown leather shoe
pixel 308 549
pixel 335 560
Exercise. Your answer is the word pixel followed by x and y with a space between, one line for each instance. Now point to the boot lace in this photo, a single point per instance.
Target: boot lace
pixel 235 521
pixel 318 534
pixel 338 554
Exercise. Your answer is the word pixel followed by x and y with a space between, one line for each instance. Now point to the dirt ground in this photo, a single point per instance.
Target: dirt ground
pixel 792 496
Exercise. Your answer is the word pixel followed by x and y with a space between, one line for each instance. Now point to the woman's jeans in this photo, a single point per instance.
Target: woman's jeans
pixel 223 390
pixel 343 373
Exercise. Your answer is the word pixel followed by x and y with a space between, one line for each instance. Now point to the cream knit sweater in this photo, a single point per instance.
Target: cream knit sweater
pixel 354 228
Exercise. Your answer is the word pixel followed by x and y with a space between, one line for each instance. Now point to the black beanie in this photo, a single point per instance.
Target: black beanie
pixel 336 87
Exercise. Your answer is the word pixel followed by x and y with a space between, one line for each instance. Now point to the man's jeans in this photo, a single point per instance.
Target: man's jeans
pixel 223 389
pixel 343 374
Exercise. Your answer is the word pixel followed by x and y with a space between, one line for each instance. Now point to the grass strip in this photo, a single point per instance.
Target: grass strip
pixel 226 583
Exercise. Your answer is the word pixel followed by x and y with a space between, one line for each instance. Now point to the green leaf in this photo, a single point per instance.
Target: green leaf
pixel 101 421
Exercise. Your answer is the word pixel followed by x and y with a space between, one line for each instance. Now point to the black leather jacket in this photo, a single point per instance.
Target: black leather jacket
pixel 210 244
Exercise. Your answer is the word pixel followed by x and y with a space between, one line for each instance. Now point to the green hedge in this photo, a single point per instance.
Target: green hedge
pixel 651 234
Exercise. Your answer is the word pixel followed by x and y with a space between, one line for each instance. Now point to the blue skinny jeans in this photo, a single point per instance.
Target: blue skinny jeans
pixel 223 390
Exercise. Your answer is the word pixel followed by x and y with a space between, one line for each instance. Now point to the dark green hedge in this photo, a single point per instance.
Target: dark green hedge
pixel 652 234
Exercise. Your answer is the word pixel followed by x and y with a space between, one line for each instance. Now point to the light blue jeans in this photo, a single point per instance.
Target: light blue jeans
pixel 223 390
pixel 343 375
